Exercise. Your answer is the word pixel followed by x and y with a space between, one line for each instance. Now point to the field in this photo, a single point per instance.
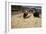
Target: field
pixel 17 21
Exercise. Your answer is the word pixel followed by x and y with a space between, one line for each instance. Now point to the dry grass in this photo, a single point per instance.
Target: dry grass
pixel 17 21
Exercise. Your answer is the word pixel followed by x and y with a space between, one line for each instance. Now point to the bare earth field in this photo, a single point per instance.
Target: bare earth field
pixel 17 21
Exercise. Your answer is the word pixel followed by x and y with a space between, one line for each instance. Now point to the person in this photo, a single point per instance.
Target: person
pixel 25 14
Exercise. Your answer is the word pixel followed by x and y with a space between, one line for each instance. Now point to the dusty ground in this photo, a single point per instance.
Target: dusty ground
pixel 17 21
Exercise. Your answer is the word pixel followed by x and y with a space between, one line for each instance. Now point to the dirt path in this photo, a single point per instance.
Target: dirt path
pixel 17 21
